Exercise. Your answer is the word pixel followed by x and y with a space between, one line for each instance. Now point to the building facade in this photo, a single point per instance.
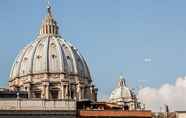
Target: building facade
pixel 52 68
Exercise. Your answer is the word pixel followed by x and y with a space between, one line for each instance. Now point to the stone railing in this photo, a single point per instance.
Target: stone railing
pixel 37 104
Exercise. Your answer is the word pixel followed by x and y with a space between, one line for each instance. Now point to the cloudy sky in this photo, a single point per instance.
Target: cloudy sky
pixel 143 39
pixel 167 94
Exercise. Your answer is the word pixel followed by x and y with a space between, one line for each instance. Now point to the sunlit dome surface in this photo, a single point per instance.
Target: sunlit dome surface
pixel 52 68
pixel 49 53
pixel 120 92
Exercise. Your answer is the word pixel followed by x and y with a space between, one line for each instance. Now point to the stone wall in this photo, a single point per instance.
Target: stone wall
pixel 36 104
pixel 181 114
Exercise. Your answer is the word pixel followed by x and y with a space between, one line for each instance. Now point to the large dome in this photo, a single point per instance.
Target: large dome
pixel 51 67
pixel 49 54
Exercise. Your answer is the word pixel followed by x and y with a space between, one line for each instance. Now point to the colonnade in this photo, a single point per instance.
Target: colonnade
pixel 65 91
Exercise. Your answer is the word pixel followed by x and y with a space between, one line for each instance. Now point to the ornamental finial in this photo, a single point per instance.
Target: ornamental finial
pixel 122 81
pixel 49 8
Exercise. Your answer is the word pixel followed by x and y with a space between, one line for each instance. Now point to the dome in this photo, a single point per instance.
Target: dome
pixel 124 96
pixel 50 64
pixel 121 91
pixel 49 54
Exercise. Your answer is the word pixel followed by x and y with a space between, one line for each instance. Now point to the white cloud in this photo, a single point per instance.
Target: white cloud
pixel 172 95
pixel 147 60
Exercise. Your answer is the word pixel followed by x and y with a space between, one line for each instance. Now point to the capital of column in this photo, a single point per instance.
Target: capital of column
pixel 45 83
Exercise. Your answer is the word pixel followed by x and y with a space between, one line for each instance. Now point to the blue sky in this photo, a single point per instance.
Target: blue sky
pixel 115 36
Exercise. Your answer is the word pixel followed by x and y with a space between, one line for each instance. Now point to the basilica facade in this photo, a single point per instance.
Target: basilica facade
pixel 51 67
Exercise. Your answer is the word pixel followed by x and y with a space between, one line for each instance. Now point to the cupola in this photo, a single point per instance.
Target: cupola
pixel 49 25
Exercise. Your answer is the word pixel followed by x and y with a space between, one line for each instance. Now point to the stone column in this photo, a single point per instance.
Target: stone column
pixel 45 90
pixel 78 95
pixel 29 90
pixel 66 91
pixel 46 87
pixel 75 92
pixel 61 91
pixel 80 91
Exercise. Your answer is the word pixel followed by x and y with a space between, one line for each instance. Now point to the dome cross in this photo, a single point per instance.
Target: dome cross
pixel 49 7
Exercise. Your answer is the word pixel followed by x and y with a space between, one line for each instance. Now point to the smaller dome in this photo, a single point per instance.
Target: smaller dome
pixel 121 92
pixel 124 96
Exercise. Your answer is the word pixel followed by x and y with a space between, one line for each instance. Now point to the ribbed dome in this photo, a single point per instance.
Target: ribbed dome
pixel 121 93
pixel 49 54
pixel 52 68
pixel 124 96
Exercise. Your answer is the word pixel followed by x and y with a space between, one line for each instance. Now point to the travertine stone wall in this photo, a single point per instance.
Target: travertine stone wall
pixel 181 115
pixel 31 104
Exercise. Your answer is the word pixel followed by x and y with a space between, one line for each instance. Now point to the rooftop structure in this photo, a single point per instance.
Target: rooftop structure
pixel 52 68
